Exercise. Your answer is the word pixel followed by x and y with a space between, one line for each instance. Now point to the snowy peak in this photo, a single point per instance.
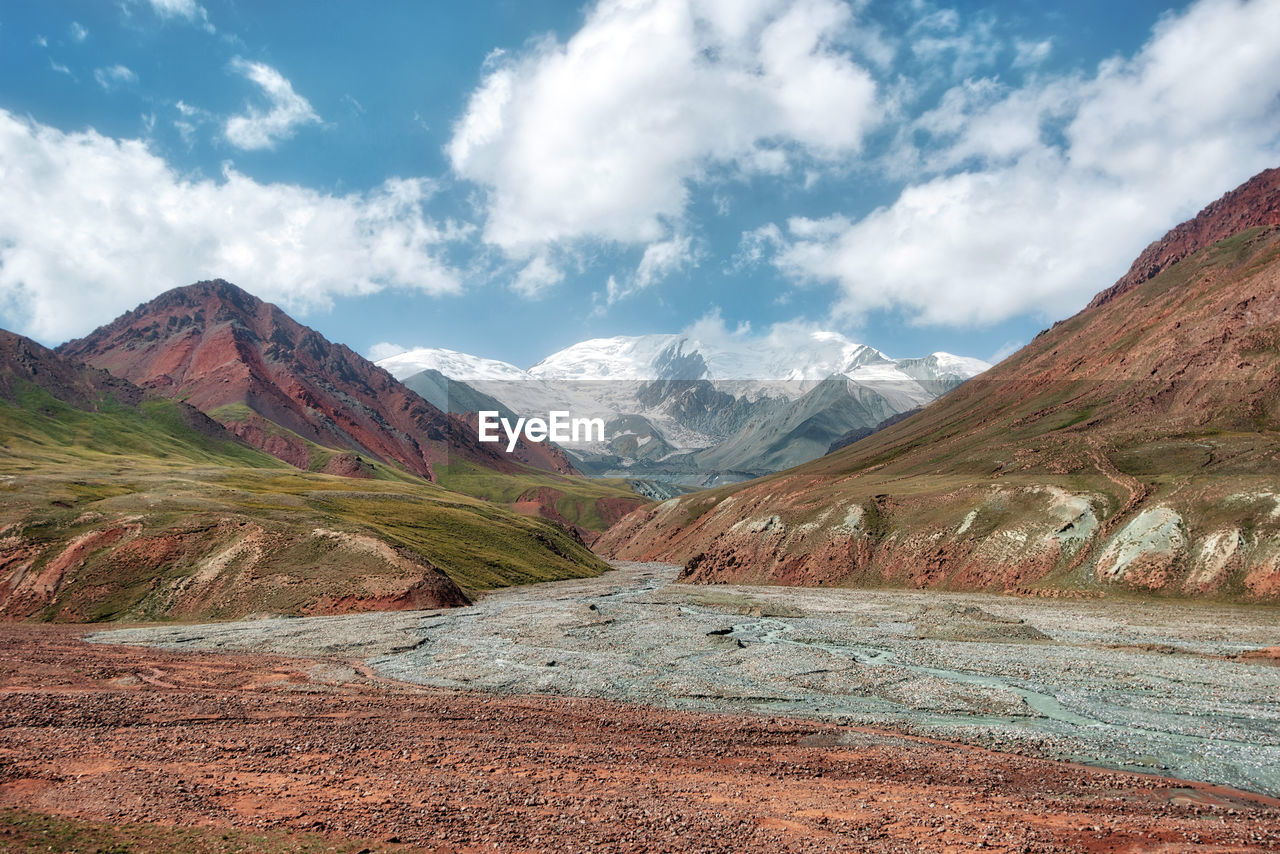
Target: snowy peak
pixel 699 409
pixel 801 360
pixel 811 356
pixel 451 363
pixel 622 358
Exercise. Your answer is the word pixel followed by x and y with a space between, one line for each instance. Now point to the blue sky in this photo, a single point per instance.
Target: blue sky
pixel 509 178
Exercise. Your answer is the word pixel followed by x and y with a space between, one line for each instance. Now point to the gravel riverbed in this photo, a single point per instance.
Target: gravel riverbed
pixel 1164 687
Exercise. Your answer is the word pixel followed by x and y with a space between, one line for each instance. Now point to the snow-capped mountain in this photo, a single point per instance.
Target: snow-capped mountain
pixel 683 409
pixel 451 363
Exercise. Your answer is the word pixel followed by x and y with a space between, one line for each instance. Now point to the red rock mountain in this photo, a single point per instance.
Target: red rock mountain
pixel 1135 446
pixel 256 370
pixel 1254 203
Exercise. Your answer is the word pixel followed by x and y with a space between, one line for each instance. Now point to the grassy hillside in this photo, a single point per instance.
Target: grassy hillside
pixel 117 506
pixel 37 428
pixel 142 538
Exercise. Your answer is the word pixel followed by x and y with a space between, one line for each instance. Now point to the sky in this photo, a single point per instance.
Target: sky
pixel 507 178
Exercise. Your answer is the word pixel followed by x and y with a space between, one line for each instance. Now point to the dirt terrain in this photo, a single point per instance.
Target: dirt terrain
pixel 1158 687
pixel 116 734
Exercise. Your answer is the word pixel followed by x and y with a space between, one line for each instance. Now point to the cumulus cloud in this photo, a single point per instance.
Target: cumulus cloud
pixel 115 76
pixel 603 137
pixel 286 110
pixel 78 31
pixel 536 277
pixel 1033 199
pixel 90 226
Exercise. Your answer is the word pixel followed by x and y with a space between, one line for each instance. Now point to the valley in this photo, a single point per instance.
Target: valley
pixel 1043 595
pixel 1127 685
pixel 630 426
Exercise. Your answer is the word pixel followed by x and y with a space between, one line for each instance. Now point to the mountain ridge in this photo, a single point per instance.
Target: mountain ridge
pixel 682 412
pixel 254 368
pixel 1131 447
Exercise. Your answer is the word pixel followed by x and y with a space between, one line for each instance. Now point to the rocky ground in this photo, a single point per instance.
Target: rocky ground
pixel 115 734
pixel 1168 688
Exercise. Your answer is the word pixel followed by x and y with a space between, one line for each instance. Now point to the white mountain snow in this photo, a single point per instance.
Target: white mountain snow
pixel 651 357
pixel 716 392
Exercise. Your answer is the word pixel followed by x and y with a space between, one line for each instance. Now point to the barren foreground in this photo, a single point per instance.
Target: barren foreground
pixel 116 734
pixel 1184 690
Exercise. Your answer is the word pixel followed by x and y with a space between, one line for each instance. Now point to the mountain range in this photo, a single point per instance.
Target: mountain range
pixel 696 413
pixel 206 456
pixel 1132 447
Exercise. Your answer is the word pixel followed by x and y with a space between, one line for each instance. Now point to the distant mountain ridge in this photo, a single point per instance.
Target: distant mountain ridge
pixel 680 410
pixel 682 357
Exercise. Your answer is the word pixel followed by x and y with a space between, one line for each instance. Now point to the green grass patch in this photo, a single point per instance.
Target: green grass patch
pixel 578 499
pixel 23 832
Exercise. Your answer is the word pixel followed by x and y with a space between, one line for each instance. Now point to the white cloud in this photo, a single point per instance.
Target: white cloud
pixel 536 277
pixel 60 68
pixel 660 260
pixel 285 113
pixel 384 350
pixel 78 31
pixel 115 76
pixel 90 226
pixel 1060 184
pixel 1029 53
pixel 604 137
pixel 940 41
pixel 187 10
pixel 756 245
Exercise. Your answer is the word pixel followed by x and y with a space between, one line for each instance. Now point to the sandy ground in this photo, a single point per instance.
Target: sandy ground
pixel 129 734
pixel 1164 687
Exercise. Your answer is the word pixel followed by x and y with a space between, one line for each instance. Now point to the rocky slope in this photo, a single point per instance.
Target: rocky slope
pixel 122 504
pixel 1255 203
pixel 276 383
pixel 1132 447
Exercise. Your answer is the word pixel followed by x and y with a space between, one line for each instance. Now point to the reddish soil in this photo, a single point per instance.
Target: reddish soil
pixel 123 734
